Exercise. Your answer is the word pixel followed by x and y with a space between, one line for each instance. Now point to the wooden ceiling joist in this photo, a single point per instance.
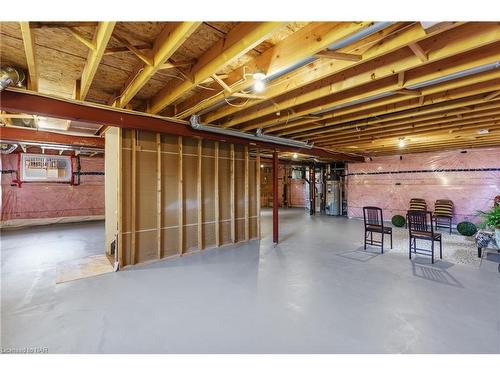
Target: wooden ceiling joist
pixel 334 55
pixel 298 46
pixel 377 111
pixel 460 45
pixel 169 40
pixel 29 50
pixel 238 41
pixel 81 38
pixel 101 38
pixel 319 70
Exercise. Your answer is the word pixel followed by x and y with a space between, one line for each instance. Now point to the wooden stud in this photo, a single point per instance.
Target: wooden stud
pixel 232 197
pixel 159 203
pixel 180 198
pixel 120 202
pixel 29 50
pixel 257 190
pixel 142 56
pixel 216 197
pixel 247 196
pixel 200 196
pixel 133 198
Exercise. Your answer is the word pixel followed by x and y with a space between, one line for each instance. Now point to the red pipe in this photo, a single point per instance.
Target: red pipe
pixel 275 197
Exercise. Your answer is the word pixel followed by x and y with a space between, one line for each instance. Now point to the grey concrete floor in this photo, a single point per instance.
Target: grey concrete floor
pixel 316 292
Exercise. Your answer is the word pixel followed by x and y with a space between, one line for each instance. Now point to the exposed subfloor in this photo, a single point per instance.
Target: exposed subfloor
pixel 316 292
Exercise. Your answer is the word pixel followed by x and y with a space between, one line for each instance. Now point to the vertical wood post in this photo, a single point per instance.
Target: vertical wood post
pixel 275 197
pixel 133 198
pixel 119 205
pixel 158 194
pixel 232 204
pixel 247 196
pixel 257 189
pixel 216 197
pixel 180 198
pixel 199 198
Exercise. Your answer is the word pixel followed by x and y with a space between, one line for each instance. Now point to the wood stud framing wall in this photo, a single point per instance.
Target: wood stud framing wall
pixel 208 189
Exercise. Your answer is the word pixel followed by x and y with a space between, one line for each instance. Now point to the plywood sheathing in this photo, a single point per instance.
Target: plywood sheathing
pixel 146 210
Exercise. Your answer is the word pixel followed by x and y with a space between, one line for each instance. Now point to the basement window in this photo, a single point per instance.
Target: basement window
pixel 45 168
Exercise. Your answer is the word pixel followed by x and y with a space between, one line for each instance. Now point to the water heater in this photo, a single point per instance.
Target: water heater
pixel 332 201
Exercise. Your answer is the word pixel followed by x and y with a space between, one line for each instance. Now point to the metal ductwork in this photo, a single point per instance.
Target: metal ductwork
pixel 259 136
pixel 10 76
pixel 7 148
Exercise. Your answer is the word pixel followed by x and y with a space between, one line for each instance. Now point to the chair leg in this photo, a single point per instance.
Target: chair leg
pixel 450 225
pixel 432 251
pixel 371 238
pixel 366 235
pixel 382 243
pixel 441 249
pixel 391 240
pixel 409 247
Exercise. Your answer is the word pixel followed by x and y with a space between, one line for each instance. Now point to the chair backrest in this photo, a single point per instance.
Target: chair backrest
pixel 443 207
pixel 418 204
pixel 420 221
pixel 373 216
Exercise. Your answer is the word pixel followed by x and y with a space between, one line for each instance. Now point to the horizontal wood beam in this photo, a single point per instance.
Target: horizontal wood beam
pixel 338 55
pixel 22 101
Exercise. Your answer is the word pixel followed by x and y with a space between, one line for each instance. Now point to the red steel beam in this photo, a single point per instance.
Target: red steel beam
pixel 12 134
pixel 275 198
pixel 19 101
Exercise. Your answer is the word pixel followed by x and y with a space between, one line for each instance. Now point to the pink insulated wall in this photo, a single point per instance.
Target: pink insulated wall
pixel 471 180
pixel 51 200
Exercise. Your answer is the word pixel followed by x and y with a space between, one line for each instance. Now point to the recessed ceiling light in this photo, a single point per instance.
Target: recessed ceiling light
pixel 483 131
pixel 295 156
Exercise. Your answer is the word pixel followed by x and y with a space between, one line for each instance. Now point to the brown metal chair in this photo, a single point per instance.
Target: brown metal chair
pixel 420 228
pixel 374 223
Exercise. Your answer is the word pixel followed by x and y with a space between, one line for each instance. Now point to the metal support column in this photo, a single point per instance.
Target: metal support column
pixel 275 197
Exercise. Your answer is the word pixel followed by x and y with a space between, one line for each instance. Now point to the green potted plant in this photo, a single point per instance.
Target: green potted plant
pixel 491 219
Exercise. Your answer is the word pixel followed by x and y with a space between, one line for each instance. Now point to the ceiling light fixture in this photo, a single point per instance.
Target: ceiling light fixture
pixel 295 156
pixel 259 75
pixel 402 142
pixel 259 86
